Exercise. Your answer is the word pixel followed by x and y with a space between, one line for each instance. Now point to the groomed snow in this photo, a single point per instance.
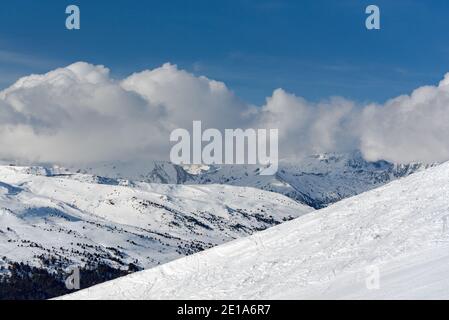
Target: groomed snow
pixel 401 228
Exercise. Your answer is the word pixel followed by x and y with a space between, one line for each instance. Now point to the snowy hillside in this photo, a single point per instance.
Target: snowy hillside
pixel 401 230
pixel 53 220
pixel 316 181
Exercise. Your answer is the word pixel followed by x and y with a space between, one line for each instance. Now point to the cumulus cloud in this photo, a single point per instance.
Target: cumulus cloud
pixel 73 114
pixel 408 128
pixel 306 128
pixel 185 97
pixel 80 114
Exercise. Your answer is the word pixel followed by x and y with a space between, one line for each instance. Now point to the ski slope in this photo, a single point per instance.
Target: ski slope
pixel 401 230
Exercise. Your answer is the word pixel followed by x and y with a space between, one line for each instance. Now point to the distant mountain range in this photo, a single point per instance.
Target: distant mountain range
pixel 317 180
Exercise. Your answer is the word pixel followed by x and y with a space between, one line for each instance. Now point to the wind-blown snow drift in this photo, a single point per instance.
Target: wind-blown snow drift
pixel 399 228
pixel 79 114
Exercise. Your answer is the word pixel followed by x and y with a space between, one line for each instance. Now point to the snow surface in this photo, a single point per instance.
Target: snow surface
pixel 401 228
pixel 77 219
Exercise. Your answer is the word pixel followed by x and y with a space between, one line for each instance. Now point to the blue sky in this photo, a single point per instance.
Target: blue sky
pixel 315 49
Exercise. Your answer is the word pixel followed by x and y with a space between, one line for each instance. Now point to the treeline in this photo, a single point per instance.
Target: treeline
pixel 24 282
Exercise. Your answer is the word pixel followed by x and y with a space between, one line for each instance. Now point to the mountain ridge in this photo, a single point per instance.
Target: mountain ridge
pixel 317 180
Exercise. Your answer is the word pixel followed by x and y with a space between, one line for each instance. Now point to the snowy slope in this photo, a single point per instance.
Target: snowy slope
pixel 401 228
pixel 317 180
pixel 49 218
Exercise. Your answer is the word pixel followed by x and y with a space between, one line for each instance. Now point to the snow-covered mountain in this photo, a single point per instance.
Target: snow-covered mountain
pixel 317 180
pixel 52 220
pixel 140 214
pixel 388 243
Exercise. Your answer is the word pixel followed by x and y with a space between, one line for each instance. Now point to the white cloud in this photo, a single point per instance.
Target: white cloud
pixel 307 128
pixel 408 128
pixel 80 114
pixel 185 97
pixel 75 114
